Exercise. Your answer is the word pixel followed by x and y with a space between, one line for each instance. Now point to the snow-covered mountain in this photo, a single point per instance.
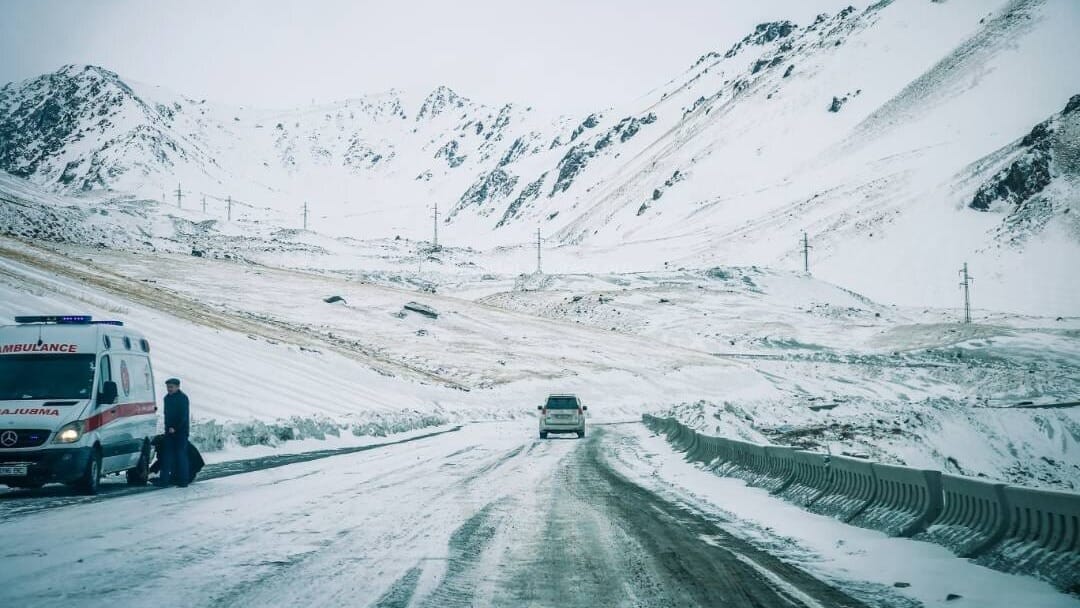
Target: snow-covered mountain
pixel 85 128
pixel 905 139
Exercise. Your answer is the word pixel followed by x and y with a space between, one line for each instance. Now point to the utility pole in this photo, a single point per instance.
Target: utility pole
pixel 305 215
pixel 805 253
pixel 965 282
pixel 435 241
pixel 538 267
pixel 179 195
pixel 228 207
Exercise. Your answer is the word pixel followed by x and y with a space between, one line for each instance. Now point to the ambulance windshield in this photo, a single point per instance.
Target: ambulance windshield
pixel 46 377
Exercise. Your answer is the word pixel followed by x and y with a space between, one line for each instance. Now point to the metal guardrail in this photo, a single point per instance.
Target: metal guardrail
pixel 1009 528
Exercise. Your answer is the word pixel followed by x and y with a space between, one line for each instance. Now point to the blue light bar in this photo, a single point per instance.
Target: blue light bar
pixel 62 319
pixel 117 323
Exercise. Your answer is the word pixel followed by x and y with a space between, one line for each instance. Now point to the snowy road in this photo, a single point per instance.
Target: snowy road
pixel 15 501
pixel 487 516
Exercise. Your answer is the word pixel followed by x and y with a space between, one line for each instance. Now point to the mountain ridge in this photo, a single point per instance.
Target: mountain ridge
pixel 848 127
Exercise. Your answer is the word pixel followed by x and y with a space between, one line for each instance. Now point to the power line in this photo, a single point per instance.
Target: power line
pixel 305 215
pixel 538 266
pixel 965 283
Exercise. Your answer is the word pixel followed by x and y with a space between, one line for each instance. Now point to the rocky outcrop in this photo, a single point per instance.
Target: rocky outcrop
pixel 488 188
pixel 658 192
pixel 44 118
pixel 763 34
pixel 440 100
pixel 449 152
pixel 590 122
pixel 577 157
pixel 361 155
pixel 514 152
pixel 528 193
pixel 1033 169
pixel 571 164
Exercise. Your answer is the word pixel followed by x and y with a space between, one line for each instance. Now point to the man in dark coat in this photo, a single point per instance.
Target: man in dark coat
pixel 174 468
pixel 194 457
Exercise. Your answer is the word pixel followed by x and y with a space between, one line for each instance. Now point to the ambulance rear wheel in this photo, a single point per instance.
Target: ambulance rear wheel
pixel 141 473
pixel 90 481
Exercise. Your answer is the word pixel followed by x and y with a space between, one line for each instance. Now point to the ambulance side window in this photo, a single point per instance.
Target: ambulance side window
pixel 139 379
pixel 147 377
pixel 106 371
pixel 104 376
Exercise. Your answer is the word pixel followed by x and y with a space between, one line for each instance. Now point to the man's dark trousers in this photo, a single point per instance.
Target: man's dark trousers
pixel 175 464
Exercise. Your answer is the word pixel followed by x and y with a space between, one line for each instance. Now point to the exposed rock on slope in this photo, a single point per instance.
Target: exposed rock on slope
pixel 1049 153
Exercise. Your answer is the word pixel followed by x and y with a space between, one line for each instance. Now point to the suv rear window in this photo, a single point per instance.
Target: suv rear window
pixel 562 403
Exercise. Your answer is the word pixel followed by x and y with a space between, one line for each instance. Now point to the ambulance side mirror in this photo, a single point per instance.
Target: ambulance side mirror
pixel 540 407
pixel 108 393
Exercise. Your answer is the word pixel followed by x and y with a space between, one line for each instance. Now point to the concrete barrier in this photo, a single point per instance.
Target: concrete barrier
pixel 695 447
pixel 706 449
pixel 716 451
pixel 769 467
pixel 1042 537
pixel 853 487
pixel 1019 530
pixel 781 468
pixel 973 517
pixel 681 436
pixel 727 460
pixel 906 501
pixel 750 461
pixel 811 479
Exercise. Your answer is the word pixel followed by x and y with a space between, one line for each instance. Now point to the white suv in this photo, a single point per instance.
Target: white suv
pixel 562 414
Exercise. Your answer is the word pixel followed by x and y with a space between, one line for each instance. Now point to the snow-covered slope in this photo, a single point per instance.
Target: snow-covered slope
pixel 904 140
pixel 880 132
pixel 757 352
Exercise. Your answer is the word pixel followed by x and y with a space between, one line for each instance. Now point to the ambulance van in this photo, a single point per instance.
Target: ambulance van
pixel 76 402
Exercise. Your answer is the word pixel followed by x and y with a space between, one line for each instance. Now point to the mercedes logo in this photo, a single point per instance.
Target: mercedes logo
pixel 9 438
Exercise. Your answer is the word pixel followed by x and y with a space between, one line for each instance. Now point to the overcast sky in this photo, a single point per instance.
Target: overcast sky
pixel 559 55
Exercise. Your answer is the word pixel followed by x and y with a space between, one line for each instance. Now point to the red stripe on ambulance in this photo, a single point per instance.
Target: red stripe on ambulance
pixel 120 411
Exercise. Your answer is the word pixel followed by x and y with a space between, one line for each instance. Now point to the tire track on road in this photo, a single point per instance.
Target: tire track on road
pixel 608 542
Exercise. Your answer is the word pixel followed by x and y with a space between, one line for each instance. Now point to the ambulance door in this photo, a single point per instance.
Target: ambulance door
pixel 104 419
pixel 141 383
pixel 135 407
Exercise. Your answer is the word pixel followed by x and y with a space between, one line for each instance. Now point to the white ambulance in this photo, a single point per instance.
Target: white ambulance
pixel 76 402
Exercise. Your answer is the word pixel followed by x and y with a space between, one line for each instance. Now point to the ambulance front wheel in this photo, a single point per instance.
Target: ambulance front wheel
pixel 90 481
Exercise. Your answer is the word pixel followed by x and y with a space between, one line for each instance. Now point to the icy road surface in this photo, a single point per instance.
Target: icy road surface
pixel 486 516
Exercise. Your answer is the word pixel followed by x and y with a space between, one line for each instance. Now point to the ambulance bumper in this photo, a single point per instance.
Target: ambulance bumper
pixel 56 465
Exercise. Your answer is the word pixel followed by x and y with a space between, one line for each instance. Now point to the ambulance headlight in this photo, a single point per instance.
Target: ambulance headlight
pixel 70 432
